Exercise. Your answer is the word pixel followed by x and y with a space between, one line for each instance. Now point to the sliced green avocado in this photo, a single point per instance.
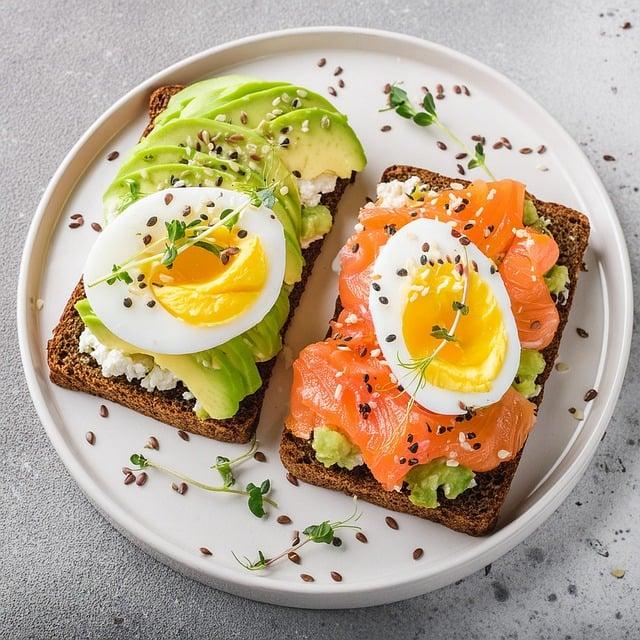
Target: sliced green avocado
pixel 233 92
pixel 127 189
pixel 332 447
pixel 219 378
pixel 251 110
pixel 264 340
pixel 173 154
pixel 424 479
pixel 244 146
pixel 315 141
pixel 532 364
pixel 316 223
pixel 210 86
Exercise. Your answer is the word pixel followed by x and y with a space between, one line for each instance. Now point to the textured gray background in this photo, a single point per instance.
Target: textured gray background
pixel 64 571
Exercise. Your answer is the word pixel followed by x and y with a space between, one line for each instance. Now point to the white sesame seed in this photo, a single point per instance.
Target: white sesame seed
pixel 491 194
pixel 325 123
pixel 461 437
pixel 276 101
pixel 456 186
pixel 302 93
pixel 221 117
pixel 338 392
pixel 352 318
pixel 375 353
pixel 452 463
pixel 358 227
pixel 284 190
pixel 562 367
pixel 503 453
pixel 339 374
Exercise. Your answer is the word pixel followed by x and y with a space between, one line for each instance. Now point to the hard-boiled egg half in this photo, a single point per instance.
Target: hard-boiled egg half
pixel 212 291
pixel 437 300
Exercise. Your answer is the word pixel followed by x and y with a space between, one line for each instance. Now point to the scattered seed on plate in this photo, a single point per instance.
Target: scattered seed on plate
pixel 153 219
pixel 505 141
pixel 387 88
pixel 142 478
pixel 180 488
pixel 104 412
pixel 461 156
pixel 385 128
pixel 336 577
pixel 295 538
pixel 562 367
pixel 337 71
pixel 294 557
pixel 525 150
pixel 360 537
pixel 259 456
pixel 96 227
pixel 307 578
pixel 332 91
pixel 341 83
pixel 441 145
pixel 417 553
pixel 461 170
pixel 466 90
pixel 581 332
pixel 184 435
pixel 90 437
pixel 152 443
pixel 336 542
pixel 126 471
pixel 113 155
pixel 292 479
pixel 392 523
pixel 283 519
pixel 130 478
pixel 168 198
pixel 205 551
pixel 321 62
pixel 608 157
pixel 498 145
pixel 576 413
pixel 618 573
pixel 76 224
pixel 590 395
pixel 457 88
pixel 127 302
pixel 541 149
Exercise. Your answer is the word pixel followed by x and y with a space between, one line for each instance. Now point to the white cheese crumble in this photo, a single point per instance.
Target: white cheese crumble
pixel 396 193
pixel 114 362
pixel 311 190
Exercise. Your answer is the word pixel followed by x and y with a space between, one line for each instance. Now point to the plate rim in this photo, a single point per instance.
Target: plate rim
pixel 265 588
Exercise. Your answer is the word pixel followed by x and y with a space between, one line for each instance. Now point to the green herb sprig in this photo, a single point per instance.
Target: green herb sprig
pixel 224 465
pixel 400 102
pixel 324 532
pixel 180 243
pixel 257 495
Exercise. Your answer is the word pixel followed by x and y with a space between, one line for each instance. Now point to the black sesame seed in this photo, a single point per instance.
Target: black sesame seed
pixel 242 233
pixel 423 260
pixel 375 286
pixel 413 448
pixel 383 300
pixel 390 338
pixel 590 395
pixel 355 247
pixel 127 302
pixel 476 446
pixel 151 304
pixel 402 272
pixel 413 461
pixel 581 332
pixel 152 220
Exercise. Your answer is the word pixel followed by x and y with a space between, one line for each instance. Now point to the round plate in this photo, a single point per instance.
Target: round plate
pixel 173 527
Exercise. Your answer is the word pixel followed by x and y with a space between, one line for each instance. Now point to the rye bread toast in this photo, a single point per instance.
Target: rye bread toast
pixel 476 511
pixel 74 370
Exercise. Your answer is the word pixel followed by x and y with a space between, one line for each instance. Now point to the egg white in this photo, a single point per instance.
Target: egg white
pixel 403 251
pixel 155 329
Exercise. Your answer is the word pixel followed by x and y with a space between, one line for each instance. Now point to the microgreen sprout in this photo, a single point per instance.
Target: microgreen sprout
pixel 181 241
pixel 224 465
pixel 400 102
pixel 257 495
pixel 324 532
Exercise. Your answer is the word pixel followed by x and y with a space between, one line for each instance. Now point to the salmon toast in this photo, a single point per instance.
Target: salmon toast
pixel 424 392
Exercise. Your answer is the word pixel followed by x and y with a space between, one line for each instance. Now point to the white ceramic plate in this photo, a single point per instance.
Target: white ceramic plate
pixel 174 527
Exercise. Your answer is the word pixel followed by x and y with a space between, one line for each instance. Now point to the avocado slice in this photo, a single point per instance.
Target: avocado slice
pixel 231 93
pixel 210 86
pixel 251 110
pixel 246 147
pixel 315 141
pixel 264 339
pixel 129 188
pixel 219 378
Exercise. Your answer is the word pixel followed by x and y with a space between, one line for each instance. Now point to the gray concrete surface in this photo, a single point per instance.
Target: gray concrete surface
pixel 64 572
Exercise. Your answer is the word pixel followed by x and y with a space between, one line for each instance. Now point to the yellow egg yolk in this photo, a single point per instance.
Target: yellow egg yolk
pixel 201 290
pixel 474 359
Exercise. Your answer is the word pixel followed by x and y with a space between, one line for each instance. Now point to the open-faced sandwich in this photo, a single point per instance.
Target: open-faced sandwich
pixel 452 301
pixel 213 222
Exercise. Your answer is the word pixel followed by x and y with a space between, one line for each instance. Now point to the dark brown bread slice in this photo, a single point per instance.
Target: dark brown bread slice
pixel 71 369
pixel 476 511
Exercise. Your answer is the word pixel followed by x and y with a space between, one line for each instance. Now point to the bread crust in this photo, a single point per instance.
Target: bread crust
pixel 475 511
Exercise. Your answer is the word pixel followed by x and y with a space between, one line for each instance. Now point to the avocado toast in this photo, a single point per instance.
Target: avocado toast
pixel 454 471
pixel 279 143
